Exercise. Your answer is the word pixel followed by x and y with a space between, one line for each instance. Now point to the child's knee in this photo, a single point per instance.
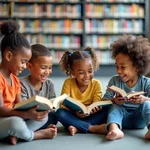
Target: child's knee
pixel 61 113
pixel 16 123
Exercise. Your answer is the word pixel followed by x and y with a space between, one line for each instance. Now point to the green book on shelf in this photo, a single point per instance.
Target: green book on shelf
pixel 42 102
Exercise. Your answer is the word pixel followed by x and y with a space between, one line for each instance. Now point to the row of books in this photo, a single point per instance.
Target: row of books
pixel 73 0
pixel 73 11
pixel 46 10
pixel 100 41
pixel 74 42
pixel 57 42
pixel 114 26
pixel 115 1
pixel 43 0
pixel 4 10
pixel 114 10
pixel 104 57
pixel 51 26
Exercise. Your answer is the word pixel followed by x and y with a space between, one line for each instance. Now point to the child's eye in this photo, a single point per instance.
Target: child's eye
pixel 23 62
pixel 43 67
pixel 90 71
pixel 81 72
pixel 50 68
pixel 123 67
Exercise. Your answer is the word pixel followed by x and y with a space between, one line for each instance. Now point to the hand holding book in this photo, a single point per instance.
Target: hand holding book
pixel 76 105
pixel 123 94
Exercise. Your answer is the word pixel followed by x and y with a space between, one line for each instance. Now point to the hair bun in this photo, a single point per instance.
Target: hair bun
pixel 9 27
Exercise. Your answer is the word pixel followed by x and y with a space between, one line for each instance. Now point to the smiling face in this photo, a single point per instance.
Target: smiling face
pixel 127 72
pixel 40 68
pixel 17 61
pixel 83 71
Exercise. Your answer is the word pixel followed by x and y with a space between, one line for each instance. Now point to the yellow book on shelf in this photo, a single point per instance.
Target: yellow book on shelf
pixel 42 102
pixel 123 93
pixel 75 105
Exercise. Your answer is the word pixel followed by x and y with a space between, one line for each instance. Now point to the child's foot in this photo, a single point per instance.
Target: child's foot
pixel 52 126
pixel 100 129
pixel 13 140
pixel 147 135
pixel 48 133
pixel 72 130
pixel 115 134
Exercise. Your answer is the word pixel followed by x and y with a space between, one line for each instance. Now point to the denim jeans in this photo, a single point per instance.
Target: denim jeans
pixel 22 129
pixel 68 118
pixel 51 120
pixel 125 118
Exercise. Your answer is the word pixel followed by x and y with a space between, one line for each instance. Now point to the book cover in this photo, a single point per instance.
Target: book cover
pixel 42 102
pixel 76 105
pixel 123 93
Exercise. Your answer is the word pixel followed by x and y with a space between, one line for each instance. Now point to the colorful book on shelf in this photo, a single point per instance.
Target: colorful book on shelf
pixel 42 102
pixel 76 105
pixel 123 93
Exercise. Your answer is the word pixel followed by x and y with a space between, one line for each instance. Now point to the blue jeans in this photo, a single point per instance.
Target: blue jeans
pixel 20 128
pixel 51 120
pixel 136 118
pixel 68 118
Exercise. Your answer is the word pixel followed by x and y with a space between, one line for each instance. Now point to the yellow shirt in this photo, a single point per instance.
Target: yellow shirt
pixel 92 94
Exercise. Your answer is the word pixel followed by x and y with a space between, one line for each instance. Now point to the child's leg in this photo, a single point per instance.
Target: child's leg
pixel 114 122
pixel 71 121
pixel 35 125
pixel 16 127
pixel 145 110
pixel 48 133
pixel 114 132
pixel 98 121
pixel 42 133
pixel 51 120
pixel 73 130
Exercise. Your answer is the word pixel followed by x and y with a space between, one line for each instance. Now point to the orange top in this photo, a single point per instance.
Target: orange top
pixel 8 91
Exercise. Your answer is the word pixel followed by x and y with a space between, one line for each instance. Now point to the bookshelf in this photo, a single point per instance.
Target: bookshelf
pixel 74 24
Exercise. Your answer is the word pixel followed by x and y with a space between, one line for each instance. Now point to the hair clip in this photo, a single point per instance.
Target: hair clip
pixel 87 51
pixel 70 53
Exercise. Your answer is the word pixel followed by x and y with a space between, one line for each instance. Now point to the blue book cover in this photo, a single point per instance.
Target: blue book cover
pixel 76 105
pixel 72 106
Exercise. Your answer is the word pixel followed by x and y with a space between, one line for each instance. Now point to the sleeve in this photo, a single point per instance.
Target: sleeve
pixel 108 93
pixel 17 84
pixel 65 90
pixel 1 85
pixel 66 87
pixel 24 91
pixel 52 93
pixel 97 95
pixel 147 88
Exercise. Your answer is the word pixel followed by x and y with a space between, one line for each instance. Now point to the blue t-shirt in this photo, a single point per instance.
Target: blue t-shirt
pixel 143 84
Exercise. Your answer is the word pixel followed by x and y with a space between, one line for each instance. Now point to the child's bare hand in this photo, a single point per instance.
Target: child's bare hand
pixel 81 115
pixel 35 115
pixel 96 109
pixel 139 99
pixel 119 100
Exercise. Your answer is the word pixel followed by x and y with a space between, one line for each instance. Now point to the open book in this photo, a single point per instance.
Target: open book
pixel 123 93
pixel 42 102
pixel 76 105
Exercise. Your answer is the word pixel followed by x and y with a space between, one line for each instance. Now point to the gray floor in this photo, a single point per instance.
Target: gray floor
pixel 134 139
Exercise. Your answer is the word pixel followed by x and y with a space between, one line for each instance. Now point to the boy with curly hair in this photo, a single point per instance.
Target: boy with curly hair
pixel 132 57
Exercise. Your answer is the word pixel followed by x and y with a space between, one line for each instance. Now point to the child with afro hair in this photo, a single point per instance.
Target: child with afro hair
pixel 132 60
